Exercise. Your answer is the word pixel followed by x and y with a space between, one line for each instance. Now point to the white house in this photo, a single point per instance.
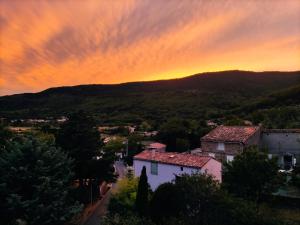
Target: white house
pixel 163 167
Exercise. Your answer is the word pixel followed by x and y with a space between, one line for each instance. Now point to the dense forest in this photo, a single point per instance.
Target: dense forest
pixel 269 97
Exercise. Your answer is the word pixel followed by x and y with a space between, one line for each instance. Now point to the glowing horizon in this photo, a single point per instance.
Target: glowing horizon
pixel 61 43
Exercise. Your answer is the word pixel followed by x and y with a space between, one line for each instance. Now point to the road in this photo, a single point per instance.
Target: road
pixel 100 211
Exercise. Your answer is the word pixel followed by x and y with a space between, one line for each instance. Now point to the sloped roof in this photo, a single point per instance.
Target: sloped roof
pixel 231 134
pixel 157 145
pixel 174 158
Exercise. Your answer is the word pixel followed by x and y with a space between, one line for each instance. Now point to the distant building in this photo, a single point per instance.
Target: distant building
pixel 211 123
pixel 147 133
pixel 163 167
pixel 225 142
pixel 159 147
pixel 62 119
pixel 21 130
pixel 283 143
pixel 196 151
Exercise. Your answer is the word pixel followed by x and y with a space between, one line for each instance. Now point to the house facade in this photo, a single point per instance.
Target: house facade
pixel 163 167
pixel 225 142
pixel 284 144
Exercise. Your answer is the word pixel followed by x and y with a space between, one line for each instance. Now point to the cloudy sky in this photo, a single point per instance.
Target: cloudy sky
pixel 59 42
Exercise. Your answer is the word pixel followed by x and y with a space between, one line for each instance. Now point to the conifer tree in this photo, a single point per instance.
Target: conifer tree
pixel 142 194
pixel 35 184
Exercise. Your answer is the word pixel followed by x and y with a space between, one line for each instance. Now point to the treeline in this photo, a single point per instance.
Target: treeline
pixel 278 110
pixel 199 97
pixel 48 178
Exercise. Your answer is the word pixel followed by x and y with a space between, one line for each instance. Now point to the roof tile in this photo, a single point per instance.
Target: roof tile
pixel 231 133
pixel 181 159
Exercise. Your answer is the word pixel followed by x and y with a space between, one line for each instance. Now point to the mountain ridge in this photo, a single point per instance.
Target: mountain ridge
pixel 196 96
pixel 193 76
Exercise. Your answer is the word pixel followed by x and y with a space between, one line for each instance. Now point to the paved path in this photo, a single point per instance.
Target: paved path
pixel 101 208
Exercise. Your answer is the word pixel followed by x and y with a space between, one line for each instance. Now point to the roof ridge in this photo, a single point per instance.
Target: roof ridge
pixel 182 159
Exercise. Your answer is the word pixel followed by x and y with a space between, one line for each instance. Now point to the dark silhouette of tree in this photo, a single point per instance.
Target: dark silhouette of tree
pixel 198 199
pixel 35 184
pixel 181 135
pixel 5 136
pixel 142 194
pixel 251 175
pixel 80 138
pixel 165 203
pixel 134 147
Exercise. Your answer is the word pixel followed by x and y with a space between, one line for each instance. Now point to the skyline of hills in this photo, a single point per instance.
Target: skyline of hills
pixel 200 96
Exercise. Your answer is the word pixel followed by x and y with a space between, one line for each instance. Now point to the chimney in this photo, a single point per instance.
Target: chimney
pixel 152 153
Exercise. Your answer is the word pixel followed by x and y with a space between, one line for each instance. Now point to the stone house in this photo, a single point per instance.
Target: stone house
pixel 225 142
pixel 284 144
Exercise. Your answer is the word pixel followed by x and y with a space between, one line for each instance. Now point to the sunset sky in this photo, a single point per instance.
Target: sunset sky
pixel 57 43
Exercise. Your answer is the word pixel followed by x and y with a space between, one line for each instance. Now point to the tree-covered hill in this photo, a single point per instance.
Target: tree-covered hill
pixel 199 96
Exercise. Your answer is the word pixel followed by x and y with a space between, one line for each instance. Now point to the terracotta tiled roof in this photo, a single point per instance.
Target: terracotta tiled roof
pixel 174 158
pixel 231 133
pixel 157 145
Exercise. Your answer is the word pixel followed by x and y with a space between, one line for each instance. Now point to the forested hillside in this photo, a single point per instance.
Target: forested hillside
pixel 201 96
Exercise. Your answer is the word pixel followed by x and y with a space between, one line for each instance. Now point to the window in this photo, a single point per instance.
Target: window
pixel 229 158
pixel 181 168
pixel 221 147
pixel 154 169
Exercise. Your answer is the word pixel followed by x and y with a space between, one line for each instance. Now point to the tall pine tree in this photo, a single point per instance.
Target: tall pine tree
pixel 142 194
pixel 80 138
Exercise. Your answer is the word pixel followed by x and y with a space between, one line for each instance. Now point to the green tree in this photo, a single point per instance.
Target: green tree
pixel 180 135
pixel 80 138
pixel 134 147
pixel 142 194
pixel 165 203
pixel 116 145
pixel 198 199
pixel 182 145
pixel 251 175
pixel 5 136
pixel 123 198
pixel 296 177
pixel 132 219
pixel 172 130
pixel 35 184
pixel 234 121
pixel 145 126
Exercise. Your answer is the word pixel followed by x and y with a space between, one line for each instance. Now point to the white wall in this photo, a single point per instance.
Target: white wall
pixel 166 172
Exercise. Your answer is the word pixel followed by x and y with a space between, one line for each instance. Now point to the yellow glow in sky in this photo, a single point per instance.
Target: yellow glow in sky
pixel 55 43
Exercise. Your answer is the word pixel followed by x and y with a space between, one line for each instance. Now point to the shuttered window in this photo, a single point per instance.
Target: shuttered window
pixel 154 168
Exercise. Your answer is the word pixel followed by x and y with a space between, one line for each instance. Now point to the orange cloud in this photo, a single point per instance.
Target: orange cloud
pixel 55 43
